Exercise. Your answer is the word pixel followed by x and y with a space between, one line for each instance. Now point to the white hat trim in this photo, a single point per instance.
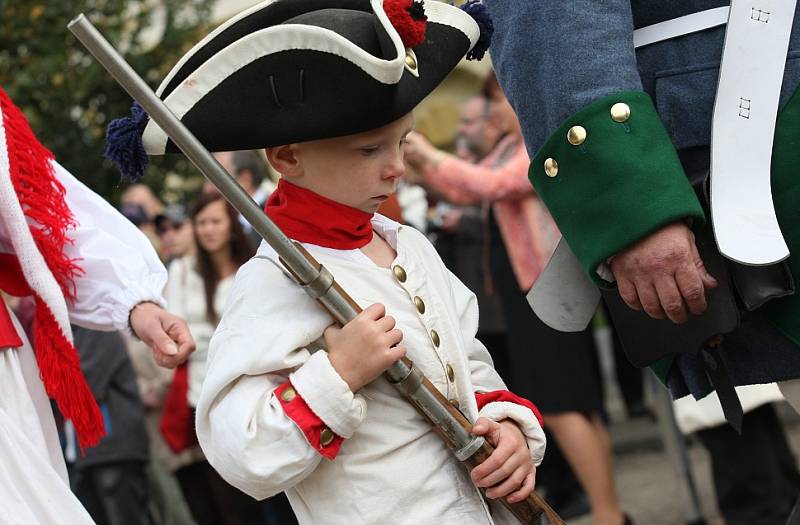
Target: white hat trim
pixel 208 38
pixel 377 6
pixel 292 36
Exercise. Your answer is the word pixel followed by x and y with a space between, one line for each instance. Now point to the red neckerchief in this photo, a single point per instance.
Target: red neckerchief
pixel 308 217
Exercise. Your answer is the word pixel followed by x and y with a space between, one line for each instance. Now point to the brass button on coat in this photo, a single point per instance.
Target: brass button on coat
pixel 288 394
pixel 551 167
pixel 400 273
pixel 451 374
pixel 576 135
pixel 435 338
pixel 620 112
pixel 420 304
pixel 455 403
pixel 326 437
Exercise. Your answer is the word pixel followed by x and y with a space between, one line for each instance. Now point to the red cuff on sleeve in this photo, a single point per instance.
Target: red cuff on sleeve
pixel 319 436
pixel 484 398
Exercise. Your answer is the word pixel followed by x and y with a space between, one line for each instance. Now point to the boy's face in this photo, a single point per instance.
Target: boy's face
pixel 360 171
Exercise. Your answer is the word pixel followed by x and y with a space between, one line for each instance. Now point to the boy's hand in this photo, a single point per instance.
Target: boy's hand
pixel 365 347
pixel 509 471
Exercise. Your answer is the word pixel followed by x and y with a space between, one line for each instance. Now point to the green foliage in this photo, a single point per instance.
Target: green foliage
pixel 69 98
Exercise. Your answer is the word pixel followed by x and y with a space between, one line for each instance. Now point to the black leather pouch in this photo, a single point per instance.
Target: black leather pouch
pixel 755 285
pixel 741 288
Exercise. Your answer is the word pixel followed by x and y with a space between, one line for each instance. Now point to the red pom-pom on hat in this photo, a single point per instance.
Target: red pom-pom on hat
pixel 408 18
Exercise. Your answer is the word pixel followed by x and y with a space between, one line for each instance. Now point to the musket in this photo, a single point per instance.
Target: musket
pixel 447 421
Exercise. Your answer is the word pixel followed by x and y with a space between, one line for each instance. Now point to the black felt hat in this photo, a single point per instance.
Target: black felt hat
pixel 289 71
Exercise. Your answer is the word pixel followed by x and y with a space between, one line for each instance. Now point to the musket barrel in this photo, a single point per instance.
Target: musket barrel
pixel 447 421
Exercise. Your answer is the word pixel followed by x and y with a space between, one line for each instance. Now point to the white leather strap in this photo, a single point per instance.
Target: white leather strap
pixel 680 26
pixel 745 111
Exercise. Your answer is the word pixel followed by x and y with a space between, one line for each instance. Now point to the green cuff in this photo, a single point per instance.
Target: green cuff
pixel 610 177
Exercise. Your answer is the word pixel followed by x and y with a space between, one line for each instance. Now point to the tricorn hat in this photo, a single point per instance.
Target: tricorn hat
pixel 287 71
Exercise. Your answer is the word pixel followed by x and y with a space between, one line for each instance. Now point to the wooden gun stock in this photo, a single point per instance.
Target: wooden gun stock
pixel 527 511
pixel 531 509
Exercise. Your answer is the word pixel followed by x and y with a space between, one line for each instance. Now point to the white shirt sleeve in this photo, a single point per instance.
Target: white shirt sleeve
pixel 120 266
pixel 267 330
pixel 486 379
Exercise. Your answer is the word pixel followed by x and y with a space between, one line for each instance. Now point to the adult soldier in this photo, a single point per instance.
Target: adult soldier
pixel 619 135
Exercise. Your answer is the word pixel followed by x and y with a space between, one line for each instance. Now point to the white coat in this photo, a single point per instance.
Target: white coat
pixel 120 269
pixel 391 468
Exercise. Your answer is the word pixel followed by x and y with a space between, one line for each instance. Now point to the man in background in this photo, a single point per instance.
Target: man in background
pixel 174 230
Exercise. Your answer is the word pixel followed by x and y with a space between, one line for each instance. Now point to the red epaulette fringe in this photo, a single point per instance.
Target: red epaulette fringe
pixel 42 198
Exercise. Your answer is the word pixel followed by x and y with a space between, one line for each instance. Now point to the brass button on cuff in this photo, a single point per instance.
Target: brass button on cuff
pixel 551 167
pixel 326 437
pixel 435 338
pixel 399 273
pixel 576 135
pixel 455 403
pixel 420 304
pixel 620 112
pixel 451 374
pixel 288 394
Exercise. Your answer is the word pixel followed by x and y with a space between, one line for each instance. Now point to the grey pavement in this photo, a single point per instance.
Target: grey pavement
pixel 650 490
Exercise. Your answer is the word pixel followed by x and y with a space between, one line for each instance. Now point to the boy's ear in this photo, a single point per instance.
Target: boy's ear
pixel 285 160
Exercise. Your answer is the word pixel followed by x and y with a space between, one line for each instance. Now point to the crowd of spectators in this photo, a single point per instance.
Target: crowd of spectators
pixel 475 203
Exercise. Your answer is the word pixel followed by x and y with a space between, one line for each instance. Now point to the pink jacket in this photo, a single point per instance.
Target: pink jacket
pixel 528 230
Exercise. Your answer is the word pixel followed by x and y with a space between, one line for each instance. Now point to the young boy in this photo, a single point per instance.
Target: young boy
pixel 291 402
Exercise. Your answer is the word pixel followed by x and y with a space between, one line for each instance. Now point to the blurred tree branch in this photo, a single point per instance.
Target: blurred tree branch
pixel 69 98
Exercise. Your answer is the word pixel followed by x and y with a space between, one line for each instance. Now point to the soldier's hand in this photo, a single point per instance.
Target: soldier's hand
pixel 663 275
pixel 509 472
pixel 165 333
pixel 365 347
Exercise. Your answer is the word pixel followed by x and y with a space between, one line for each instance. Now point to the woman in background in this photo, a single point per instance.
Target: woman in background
pixel 198 286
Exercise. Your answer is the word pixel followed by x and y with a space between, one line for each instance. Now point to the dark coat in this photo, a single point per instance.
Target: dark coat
pixel 108 370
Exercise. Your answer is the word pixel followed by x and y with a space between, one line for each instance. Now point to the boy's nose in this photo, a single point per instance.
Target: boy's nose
pixel 396 167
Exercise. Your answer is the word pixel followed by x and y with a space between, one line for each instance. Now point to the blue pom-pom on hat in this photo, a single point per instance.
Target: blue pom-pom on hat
pixel 124 145
pixel 478 11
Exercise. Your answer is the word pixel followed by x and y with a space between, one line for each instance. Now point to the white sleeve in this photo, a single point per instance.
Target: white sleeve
pixel 486 379
pixel 120 266
pixel 268 326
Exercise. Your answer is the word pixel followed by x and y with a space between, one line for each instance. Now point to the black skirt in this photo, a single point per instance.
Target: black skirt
pixel 557 371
